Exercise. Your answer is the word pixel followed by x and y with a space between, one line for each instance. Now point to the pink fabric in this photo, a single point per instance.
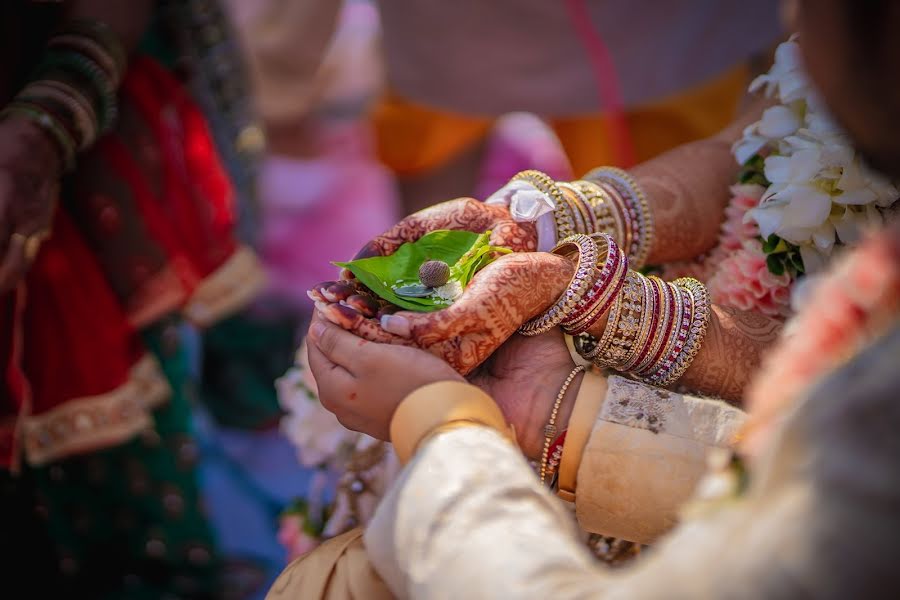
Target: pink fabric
pixel 520 141
pixel 320 210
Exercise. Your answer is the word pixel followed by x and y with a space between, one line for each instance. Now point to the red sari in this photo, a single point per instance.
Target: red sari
pixel 144 230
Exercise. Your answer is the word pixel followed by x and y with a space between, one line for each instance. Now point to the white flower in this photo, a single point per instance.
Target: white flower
pixel 820 192
pixel 859 185
pixel 749 144
pixel 786 80
pixel 779 122
pixel 318 436
pixel 814 261
pixel 793 206
pixel 526 202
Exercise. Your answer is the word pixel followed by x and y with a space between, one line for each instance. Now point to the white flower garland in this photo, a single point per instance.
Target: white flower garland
pixel 820 191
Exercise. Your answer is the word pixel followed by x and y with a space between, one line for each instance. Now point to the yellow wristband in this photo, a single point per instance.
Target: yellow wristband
pixel 436 405
pixel 584 414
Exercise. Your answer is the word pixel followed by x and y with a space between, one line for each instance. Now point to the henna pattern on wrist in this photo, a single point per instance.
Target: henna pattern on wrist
pixel 731 353
pixel 687 189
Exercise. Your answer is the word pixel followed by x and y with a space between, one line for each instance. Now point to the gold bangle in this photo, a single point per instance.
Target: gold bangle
pixel 612 279
pixel 550 428
pixel 612 327
pixel 700 315
pixel 638 207
pixel 605 217
pixel 580 209
pixel 681 313
pixel 582 281
pixel 84 120
pixel 664 325
pixel 47 122
pixel 565 225
pixel 438 404
pixel 629 322
pixel 587 405
pixel 650 318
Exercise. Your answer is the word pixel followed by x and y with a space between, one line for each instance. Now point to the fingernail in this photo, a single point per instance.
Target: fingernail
pixel 395 324
pixel 316 331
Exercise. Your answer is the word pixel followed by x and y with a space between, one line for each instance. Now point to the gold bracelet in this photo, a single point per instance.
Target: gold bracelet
pixel 630 319
pixel 565 225
pixel 635 206
pixel 609 284
pixel 587 405
pixel 676 336
pixel 578 205
pixel 582 281
pixel 550 427
pixel 650 318
pixel 83 116
pixel 701 312
pixel 606 219
pixel 663 327
pixel 436 405
pixel 612 326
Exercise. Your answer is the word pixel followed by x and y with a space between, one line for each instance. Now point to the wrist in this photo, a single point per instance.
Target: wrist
pixel 531 441
pixel 40 145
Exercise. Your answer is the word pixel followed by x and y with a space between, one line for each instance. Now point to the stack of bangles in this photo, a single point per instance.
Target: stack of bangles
pixel 654 328
pixel 72 95
pixel 607 200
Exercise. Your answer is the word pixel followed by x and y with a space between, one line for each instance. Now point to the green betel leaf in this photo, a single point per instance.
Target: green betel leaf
pixel 463 250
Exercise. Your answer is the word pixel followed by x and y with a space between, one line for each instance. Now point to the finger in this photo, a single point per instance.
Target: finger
pixel 340 347
pixel 368 251
pixel 365 305
pixel 15 262
pixel 332 380
pixel 350 320
pixel 336 291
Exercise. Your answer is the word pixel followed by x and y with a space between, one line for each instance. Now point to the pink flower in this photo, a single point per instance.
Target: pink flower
pixel 734 230
pixel 293 536
pixel 743 281
pixel 858 298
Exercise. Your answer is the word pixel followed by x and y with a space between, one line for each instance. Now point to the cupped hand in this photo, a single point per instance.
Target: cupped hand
pixel 500 298
pixel 362 382
pixel 465 214
pixel 524 377
pixel 29 182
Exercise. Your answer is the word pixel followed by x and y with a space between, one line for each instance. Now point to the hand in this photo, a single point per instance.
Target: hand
pixel 501 297
pixel 464 214
pixel 524 377
pixel 363 382
pixel 29 181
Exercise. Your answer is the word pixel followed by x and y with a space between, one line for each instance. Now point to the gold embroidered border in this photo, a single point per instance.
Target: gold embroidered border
pixel 84 424
pixel 228 289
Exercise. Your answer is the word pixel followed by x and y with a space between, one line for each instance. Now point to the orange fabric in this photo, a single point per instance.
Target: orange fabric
pixel 654 128
pixel 415 139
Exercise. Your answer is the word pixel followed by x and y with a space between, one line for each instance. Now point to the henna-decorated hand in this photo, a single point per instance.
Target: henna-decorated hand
pixel 500 298
pixel 29 178
pixel 524 376
pixel 465 214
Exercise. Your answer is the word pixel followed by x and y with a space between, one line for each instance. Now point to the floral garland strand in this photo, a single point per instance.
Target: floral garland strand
pixel 848 308
pixel 802 193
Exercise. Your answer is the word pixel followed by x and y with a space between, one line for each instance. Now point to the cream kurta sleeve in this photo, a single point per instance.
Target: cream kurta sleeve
pixel 646 454
pixel 468 519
